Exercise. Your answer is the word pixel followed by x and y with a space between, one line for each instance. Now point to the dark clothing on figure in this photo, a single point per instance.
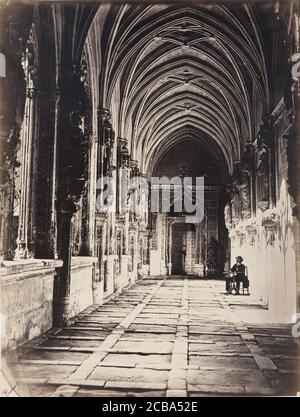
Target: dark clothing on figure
pixel 239 269
pixel 239 274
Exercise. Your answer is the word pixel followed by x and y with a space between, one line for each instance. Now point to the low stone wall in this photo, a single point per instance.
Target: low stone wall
pixel 26 295
pixel 83 289
pixel 27 288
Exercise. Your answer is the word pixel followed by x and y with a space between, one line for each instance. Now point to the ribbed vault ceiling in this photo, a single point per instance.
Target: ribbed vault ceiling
pixel 173 73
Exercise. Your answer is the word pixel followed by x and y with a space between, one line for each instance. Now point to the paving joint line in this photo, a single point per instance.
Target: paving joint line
pixel 89 364
pixel 263 361
pixel 177 380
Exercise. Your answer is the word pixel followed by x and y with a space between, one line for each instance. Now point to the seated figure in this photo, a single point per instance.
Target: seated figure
pixel 238 271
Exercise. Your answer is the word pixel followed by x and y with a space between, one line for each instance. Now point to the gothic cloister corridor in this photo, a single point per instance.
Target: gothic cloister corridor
pixel 149 152
pixel 163 337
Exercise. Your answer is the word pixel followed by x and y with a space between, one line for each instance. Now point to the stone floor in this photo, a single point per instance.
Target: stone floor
pixel 162 337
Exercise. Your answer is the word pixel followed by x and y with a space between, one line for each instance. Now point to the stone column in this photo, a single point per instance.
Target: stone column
pixel 110 271
pixel 15 23
pixel 62 286
pixel 100 238
pixel 123 177
pixel 92 192
pixel 133 257
pixel 72 149
pixel 124 271
pixel 23 250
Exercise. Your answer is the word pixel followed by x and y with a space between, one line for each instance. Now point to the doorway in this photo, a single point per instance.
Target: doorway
pixel 183 248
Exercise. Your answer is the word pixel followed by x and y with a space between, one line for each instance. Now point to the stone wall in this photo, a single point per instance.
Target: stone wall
pixel 83 288
pixel 27 288
pixel 266 242
pixel 27 298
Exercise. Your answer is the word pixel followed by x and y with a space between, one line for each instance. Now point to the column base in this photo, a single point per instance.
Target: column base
pixel 110 274
pixel 124 271
pixel 61 312
pixel 98 292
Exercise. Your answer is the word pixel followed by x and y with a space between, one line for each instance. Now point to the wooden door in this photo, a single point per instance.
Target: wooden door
pixel 178 241
pixel 183 248
pixel 190 243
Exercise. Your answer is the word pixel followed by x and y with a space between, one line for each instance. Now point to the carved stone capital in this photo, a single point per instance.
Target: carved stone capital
pixel 31 92
pixel 240 232
pixel 270 222
pixel 251 228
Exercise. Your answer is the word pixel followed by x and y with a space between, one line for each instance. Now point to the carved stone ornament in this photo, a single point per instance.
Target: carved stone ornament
pixel 241 236
pixel 251 229
pixel 252 232
pixel 123 153
pixel 134 165
pixel 269 222
pixel 263 205
pixel 120 218
pixel 262 145
pixel 101 217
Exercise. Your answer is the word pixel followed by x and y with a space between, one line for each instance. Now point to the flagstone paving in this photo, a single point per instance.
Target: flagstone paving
pixel 162 337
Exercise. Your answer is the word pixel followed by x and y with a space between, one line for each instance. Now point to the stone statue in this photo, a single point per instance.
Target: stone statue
pixel 245 192
pixel 108 141
pixel 79 146
pixel 262 173
pixel 227 215
pixel 235 200
pixel 78 157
